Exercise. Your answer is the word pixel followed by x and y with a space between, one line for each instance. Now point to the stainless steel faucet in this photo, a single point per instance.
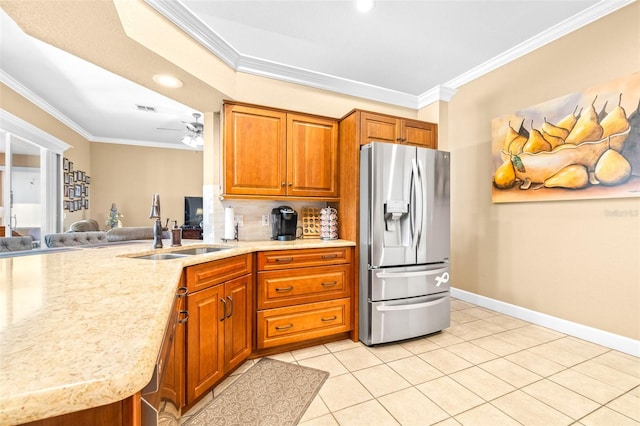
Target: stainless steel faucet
pixel 157 226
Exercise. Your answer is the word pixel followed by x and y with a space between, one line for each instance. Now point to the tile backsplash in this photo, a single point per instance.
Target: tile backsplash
pixel 252 212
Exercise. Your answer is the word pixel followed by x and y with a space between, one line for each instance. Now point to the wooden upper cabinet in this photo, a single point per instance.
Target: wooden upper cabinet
pixel 379 128
pixel 419 133
pixel 312 156
pixel 273 153
pixel 384 128
pixel 255 151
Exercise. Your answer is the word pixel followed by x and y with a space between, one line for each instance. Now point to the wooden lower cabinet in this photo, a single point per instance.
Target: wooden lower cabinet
pixel 292 324
pixel 218 332
pixel 121 413
pixel 173 383
pixel 205 340
pixel 302 295
pixel 237 323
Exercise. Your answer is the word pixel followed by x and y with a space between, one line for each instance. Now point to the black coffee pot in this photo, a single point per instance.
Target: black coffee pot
pixel 284 221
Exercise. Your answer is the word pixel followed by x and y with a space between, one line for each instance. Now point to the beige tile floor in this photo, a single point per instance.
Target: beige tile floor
pixel 486 369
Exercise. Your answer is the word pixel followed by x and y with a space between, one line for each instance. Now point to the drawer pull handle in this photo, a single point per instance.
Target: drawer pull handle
pixel 283 289
pixel 182 292
pixel 284 259
pixel 330 256
pixel 284 327
pixel 185 317
pixel 333 318
pixel 329 284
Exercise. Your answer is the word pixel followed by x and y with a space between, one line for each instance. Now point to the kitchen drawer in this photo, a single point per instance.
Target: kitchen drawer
pixel 293 287
pixel 286 259
pixel 293 324
pixel 218 271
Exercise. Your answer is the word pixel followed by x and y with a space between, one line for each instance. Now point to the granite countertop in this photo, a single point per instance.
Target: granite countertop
pixel 82 328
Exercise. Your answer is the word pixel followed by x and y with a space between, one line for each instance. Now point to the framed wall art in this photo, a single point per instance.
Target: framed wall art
pixel 75 188
pixel 580 146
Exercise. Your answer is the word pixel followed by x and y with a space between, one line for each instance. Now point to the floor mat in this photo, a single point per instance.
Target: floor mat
pixel 270 393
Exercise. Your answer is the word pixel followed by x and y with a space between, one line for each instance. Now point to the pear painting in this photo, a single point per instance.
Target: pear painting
pixel 583 145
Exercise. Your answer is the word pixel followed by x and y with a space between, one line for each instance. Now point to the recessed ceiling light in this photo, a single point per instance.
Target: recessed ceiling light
pixel 167 80
pixel 364 5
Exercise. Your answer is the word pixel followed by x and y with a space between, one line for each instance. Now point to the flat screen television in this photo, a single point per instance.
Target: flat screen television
pixel 192 212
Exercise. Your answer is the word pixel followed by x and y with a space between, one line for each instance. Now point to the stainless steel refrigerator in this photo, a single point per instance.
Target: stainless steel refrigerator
pixel 404 242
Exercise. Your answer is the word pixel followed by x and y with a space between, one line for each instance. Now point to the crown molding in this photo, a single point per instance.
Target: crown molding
pixel 42 104
pixel 146 144
pixel 187 21
pixel 438 93
pixel 45 106
pixel 22 129
pixel 595 12
pixel 183 18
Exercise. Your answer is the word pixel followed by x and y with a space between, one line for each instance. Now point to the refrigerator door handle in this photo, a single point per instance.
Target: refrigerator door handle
pixel 384 308
pixel 421 204
pixel 412 273
pixel 414 203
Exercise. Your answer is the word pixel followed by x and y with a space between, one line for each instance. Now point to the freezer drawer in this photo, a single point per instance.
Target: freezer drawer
pixel 408 281
pixel 407 318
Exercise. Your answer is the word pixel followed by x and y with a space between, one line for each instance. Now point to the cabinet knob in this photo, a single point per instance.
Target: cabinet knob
pixel 283 184
pixel 290 184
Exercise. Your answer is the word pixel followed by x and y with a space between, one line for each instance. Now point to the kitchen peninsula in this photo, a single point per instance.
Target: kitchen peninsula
pixel 82 328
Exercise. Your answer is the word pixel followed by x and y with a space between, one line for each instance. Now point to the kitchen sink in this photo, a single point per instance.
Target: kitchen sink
pixel 200 250
pixel 161 256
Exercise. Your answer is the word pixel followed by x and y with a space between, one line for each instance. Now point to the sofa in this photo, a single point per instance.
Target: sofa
pixel 65 239
pixel 15 244
pixel 85 225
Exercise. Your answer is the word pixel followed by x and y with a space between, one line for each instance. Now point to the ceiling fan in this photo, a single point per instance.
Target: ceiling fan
pixel 193 138
pixel 193 133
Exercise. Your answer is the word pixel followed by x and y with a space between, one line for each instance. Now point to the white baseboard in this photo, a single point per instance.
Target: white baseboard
pixel 594 335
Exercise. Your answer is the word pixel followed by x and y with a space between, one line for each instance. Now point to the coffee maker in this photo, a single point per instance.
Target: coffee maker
pixel 284 221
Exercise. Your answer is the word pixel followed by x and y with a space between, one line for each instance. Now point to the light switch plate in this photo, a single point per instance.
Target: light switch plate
pixel 265 220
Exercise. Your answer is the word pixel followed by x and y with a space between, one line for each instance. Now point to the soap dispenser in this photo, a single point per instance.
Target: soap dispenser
pixel 176 235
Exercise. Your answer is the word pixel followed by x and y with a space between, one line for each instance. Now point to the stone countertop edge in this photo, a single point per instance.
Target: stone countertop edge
pixel 82 328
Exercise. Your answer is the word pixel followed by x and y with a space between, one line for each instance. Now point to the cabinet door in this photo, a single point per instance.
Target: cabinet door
pixel 237 323
pixel 255 145
pixel 205 340
pixel 173 384
pixel 312 156
pixel 379 128
pixel 420 133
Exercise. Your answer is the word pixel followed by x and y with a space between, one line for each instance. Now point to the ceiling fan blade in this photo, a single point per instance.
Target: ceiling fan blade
pixel 165 128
